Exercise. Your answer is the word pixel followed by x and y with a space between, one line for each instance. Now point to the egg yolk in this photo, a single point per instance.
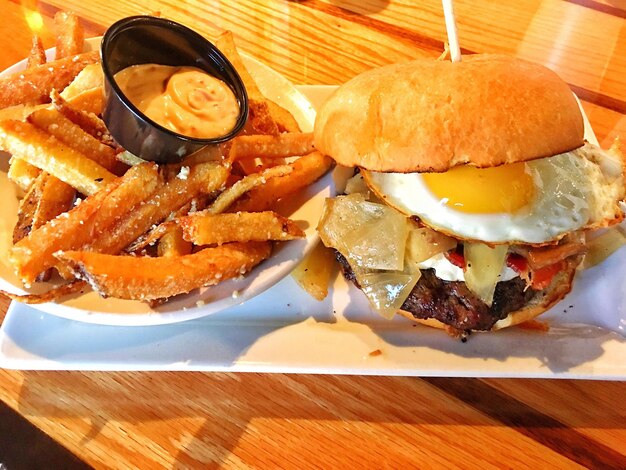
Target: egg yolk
pixel 505 188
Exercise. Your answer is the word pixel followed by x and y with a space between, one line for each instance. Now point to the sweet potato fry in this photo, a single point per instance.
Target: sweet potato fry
pixel 34 254
pixel 147 278
pixel 37 55
pixel 22 173
pixel 33 86
pixel 207 229
pixel 228 197
pixel 50 296
pixel 306 170
pixel 25 141
pixel 70 35
pixel 72 135
pixel 290 144
pixel 203 178
pixel 315 271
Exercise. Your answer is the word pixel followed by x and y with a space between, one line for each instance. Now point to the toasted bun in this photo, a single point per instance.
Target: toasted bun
pixel 560 286
pixel 429 115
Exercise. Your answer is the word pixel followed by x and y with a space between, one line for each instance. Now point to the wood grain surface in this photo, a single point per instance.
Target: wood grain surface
pixel 198 420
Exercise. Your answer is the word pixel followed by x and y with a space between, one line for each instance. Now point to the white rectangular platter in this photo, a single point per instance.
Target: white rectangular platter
pixel 284 330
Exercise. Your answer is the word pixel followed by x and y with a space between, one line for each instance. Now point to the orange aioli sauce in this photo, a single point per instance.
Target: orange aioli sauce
pixel 186 100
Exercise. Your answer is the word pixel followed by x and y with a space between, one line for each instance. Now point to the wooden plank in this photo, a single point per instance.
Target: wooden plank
pixel 141 420
pixel 353 35
pixel 592 408
pixel 147 420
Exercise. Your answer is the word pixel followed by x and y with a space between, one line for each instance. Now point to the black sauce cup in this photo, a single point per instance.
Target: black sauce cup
pixel 149 40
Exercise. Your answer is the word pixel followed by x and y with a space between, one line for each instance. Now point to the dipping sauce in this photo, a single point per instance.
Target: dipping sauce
pixel 186 100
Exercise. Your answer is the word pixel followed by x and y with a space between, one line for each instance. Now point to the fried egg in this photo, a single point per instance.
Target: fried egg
pixel 532 202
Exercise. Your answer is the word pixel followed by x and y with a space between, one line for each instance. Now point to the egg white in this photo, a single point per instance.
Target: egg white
pixel 574 190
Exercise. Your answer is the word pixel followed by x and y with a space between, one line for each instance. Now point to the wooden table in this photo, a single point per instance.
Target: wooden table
pixel 181 420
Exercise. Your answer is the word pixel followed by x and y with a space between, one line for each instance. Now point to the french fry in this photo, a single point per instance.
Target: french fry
pixel 203 178
pixel 148 278
pixel 265 117
pixel 25 141
pixel 206 229
pixel 90 101
pixel 172 243
pixel 49 296
pixel 306 170
pixel 72 135
pixel 283 118
pixel 22 173
pixel 271 146
pixel 256 165
pixel 89 122
pixel 34 254
pixel 19 112
pixel 209 153
pixel 150 238
pixel 260 120
pixel 226 44
pixel 129 159
pixel 37 55
pixel 230 195
pixel 315 271
pixel 28 207
pixel 33 86
pixel 70 35
pixel 56 197
pixel 89 78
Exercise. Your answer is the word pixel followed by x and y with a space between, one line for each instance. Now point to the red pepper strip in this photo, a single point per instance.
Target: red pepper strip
pixel 541 278
pixel 456 259
pixel 517 263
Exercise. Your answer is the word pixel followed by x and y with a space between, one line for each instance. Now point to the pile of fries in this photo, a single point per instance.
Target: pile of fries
pixel 94 215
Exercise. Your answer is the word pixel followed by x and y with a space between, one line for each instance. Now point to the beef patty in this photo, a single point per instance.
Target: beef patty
pixel 453 304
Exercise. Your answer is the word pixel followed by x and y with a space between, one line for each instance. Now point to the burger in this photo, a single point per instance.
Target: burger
pixel 473 189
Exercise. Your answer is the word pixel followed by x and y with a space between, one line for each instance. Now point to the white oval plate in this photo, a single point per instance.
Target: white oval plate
pixel 90 307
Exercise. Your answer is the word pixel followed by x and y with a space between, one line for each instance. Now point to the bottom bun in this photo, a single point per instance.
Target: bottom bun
pixel 560 286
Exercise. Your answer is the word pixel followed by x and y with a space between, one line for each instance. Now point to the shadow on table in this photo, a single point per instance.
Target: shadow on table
pixel 200 419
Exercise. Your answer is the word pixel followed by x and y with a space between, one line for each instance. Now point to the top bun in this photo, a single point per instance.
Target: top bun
pixel 428 115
